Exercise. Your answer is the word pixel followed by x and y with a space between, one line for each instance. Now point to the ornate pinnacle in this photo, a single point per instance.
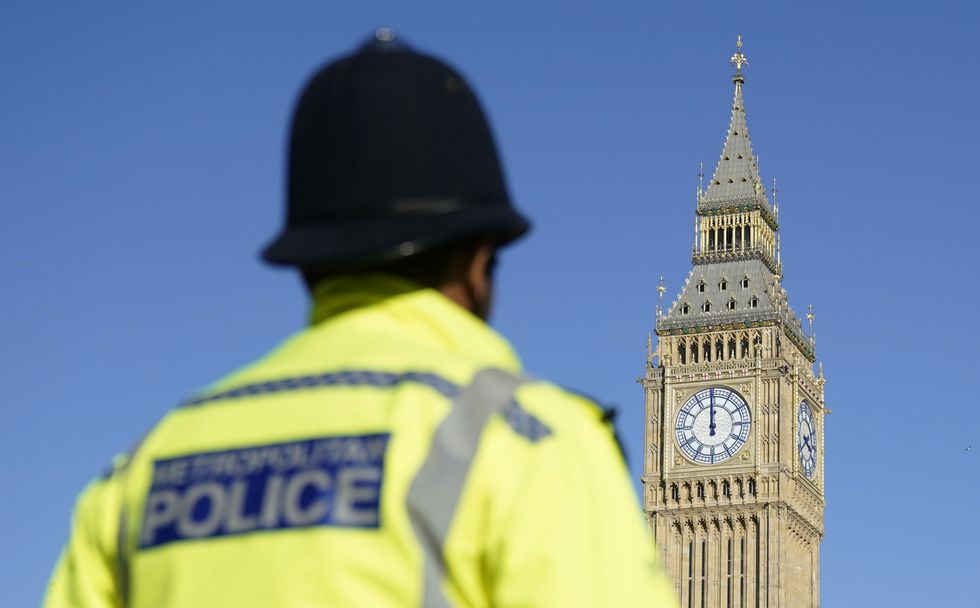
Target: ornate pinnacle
pixel 385 34
pixel 775 201
pixel 660 290
pixel 810 317
pixel 700 181
pixel 697 205
pixel 738 59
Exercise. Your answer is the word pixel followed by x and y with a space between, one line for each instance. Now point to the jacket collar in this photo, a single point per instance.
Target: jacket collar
pixel 417 313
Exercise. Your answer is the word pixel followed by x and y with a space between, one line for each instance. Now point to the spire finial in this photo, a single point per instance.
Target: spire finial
pixel 385 34
pixel 660 290
pixel 810 317
pixel 700 180
pixel 775 201
pixel 738 58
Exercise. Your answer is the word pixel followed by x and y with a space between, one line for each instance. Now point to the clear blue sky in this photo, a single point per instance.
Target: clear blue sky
pixel 141 155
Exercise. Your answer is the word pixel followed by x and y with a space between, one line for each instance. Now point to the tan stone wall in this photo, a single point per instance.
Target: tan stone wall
pixel 771 513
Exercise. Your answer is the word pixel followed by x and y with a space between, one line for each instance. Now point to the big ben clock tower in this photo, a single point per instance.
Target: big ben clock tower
pixel 733 472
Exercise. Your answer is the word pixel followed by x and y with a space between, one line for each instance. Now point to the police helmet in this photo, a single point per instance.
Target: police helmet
pixel 390 154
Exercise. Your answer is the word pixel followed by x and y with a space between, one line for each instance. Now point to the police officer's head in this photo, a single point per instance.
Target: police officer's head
pixel 392 167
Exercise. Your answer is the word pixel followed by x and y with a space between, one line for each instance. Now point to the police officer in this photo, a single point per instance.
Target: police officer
pixel 393 453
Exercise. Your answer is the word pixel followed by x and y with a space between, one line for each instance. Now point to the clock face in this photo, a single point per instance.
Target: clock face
pixel 806 439
pixel 712 425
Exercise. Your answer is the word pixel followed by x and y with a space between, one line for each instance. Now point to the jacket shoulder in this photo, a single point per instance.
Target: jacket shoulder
pixel 567 411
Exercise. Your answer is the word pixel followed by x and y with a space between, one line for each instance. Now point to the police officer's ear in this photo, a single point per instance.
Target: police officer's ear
pixel 478 278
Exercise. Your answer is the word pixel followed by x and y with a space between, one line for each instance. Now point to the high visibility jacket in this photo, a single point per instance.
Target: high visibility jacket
pixel 392 454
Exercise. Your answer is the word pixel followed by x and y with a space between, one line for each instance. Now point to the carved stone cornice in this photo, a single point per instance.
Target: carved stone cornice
pixel 715 321
pixel 754 253
pixel 803 524
pixel 721 366
pixel 729 321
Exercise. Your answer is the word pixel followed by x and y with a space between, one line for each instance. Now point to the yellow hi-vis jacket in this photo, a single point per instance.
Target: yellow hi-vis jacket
pixel 392 454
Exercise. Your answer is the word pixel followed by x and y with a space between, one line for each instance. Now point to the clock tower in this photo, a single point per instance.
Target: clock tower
pixel 733 475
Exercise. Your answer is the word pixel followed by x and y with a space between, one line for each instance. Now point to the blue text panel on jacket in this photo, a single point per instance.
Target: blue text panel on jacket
pixel 327 481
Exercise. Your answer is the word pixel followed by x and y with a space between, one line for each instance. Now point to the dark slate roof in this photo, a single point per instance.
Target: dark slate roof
pixel 760 280
pixel 773 301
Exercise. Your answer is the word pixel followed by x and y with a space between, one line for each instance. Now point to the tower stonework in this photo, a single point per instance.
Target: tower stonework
pixel 733 475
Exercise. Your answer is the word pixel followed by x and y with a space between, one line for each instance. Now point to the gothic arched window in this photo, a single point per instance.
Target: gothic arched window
pixel 690 574
pixel 704 572
pixel 728 583
pixel 741 573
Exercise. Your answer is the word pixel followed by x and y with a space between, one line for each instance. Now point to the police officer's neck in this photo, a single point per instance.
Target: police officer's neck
pixel 463 274
pixel 469 297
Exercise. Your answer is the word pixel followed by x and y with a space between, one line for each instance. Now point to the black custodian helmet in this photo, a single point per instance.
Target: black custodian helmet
pixel 390 154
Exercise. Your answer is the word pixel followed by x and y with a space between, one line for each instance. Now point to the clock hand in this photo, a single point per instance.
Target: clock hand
pixel 711 426
pixel 806 442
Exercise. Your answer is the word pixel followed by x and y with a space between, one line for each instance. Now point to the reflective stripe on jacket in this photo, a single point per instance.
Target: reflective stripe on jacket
pixel 392 454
